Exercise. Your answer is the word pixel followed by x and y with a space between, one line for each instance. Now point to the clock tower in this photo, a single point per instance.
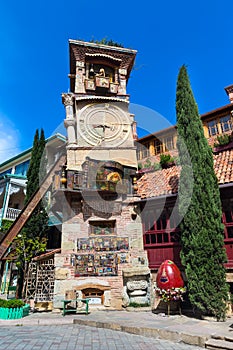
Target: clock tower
pixel 102 255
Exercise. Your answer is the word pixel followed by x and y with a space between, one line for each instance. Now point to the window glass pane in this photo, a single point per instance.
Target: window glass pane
pixel 158 223
pixel 174 218
pixel 164 220
pixel 230 232
pixel 153 238
pixel 228 216
pixel 8 171
pixel 139 151
pixel 213 128
pixel 158 146
pixel 145 150
pixel 21 169
pixel 226 124
pixel 169 143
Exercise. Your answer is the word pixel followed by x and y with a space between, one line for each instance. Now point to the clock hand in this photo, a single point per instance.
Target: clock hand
pixel 104 126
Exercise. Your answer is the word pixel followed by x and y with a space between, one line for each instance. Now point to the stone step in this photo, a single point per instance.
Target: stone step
pixel 218 344
pixel 227 336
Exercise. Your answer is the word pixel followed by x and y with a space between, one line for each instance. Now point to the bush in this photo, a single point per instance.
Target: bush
pixel 12 303
pixel 165 159
pixel 147 163
pixel 133 304
pixel 6 224
pixel 156 166
pixel 222 140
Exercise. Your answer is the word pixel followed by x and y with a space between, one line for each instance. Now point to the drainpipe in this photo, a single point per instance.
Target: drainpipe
pixel 5 201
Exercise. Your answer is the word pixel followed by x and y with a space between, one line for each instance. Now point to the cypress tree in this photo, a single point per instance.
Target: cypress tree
pixel 33 237
pixel 37 224
pixel 202 255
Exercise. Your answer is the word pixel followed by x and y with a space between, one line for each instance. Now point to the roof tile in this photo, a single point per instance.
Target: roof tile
pixel 166 181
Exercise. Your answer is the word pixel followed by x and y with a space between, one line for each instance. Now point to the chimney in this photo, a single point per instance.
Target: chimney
pixel 229 91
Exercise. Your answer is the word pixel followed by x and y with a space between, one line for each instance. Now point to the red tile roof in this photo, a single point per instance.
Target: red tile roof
pixel 47 254
pixel 166 181
pixel 223 165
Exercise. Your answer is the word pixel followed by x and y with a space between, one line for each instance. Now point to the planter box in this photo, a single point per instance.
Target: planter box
pixel 223 147
pixel 14 313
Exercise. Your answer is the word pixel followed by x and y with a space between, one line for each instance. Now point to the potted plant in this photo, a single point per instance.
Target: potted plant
pixel 166 160
pixel 223 142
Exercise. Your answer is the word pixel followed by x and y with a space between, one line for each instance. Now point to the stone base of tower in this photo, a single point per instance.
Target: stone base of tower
pixel 131 286
pixel 102 257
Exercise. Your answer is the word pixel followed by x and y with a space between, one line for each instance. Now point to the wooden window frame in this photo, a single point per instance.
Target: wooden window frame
pixel 159 231
pixel 226 125
pixel 213 128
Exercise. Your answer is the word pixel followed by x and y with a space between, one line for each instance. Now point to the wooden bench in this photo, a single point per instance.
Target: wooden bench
pixel 74 309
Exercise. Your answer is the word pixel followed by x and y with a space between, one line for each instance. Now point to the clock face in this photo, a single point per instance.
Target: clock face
pixel 103 124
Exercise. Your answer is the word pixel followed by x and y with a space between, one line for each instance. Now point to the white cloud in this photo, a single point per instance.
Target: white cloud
pixel 9 139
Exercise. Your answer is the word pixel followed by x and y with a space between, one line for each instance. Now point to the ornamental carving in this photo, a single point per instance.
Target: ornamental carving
pixel 67 99
pixel 141 284
pixel 69 122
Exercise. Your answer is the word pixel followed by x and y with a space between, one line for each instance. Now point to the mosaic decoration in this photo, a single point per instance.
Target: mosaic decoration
pixel 100 256
pixel 104 243
pixel 104 264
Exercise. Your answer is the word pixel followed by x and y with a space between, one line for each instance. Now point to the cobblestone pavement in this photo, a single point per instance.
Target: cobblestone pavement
pixel 69 337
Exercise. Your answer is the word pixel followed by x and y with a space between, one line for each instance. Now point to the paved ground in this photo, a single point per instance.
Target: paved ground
pixel 110 330
pixel 70 337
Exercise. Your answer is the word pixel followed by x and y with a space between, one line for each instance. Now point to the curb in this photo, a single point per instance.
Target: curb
pixel 148 332
pixel 36 322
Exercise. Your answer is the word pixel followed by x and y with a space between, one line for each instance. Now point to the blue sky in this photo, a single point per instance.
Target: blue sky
pixel 34 61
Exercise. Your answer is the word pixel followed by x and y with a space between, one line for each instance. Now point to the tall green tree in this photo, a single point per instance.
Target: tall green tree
pixel 33 237
pixel 202 255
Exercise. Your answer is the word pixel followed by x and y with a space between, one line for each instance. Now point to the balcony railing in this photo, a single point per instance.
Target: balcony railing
pixel 11 213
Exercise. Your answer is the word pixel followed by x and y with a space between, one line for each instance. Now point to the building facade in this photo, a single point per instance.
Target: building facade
pixel 158 189
pixel 13 183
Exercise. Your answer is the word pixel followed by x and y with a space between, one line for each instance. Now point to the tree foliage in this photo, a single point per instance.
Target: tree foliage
pixel 33 237
pixel 203 255
pixel 6 224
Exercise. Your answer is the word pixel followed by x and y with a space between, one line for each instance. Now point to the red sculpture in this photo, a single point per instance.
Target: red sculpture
pixel 169 276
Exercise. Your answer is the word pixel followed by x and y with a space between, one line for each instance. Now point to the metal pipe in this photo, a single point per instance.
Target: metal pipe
pixel 4 201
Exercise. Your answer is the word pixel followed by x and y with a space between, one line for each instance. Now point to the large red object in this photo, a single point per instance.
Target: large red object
pixel 169 276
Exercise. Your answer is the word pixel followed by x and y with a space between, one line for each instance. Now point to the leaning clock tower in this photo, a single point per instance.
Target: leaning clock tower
pixel 102 255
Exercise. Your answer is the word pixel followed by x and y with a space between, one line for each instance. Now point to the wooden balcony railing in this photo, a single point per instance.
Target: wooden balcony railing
pixel 11 213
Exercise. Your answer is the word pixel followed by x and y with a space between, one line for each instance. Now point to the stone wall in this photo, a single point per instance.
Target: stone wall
pixel 77 227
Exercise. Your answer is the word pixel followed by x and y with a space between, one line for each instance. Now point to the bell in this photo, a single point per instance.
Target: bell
pixel 91 73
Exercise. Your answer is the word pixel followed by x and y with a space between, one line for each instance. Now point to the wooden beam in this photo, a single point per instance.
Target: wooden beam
pixel 27 211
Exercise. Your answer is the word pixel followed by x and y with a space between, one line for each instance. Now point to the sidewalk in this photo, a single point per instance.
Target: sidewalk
pixel 175 327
